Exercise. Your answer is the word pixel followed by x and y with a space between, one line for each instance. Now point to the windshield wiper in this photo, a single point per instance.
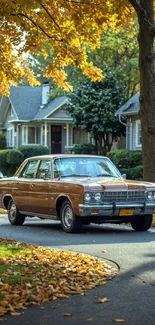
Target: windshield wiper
pixel 76 175
pixel 107 175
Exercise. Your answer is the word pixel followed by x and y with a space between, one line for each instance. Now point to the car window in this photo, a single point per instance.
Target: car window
pixel 44 169
pixel 30 169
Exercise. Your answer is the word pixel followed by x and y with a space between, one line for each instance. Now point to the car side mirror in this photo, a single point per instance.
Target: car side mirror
pixel 124 176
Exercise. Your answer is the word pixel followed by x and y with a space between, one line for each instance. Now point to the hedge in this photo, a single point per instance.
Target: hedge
pixel 10 159
pixel 33 150
pixel 84 149
pixel 123 158
pixel 129 162
pixel 135 173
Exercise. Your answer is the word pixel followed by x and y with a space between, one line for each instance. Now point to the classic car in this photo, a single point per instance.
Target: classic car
pixel 77 190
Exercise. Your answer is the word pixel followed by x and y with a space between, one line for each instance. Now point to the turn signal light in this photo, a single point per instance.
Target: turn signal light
pixel 94 211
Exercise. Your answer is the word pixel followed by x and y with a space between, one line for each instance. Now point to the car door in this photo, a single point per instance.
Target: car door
pixel 39 189
pixel 22 186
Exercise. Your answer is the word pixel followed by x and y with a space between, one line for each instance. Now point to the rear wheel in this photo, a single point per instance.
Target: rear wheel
pixel 69 221
pixel 142 223
pixel 14 216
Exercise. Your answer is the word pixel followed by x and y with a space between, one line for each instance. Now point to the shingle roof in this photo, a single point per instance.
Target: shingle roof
pixel 26 101
pixel 131 106
pixel 50 108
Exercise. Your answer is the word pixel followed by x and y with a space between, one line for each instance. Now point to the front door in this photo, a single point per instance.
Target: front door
pixel 56 138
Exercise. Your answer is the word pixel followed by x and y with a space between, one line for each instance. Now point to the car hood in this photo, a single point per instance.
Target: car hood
pixel 110 183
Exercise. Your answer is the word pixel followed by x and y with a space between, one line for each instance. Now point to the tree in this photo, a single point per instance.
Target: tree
pixel 92 106
pixel 71 26
pixel 119 50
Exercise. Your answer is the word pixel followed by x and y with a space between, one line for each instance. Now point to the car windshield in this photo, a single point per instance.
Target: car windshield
pixel 85 167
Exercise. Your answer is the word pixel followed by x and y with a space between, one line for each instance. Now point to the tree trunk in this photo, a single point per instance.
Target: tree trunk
pixel 147 86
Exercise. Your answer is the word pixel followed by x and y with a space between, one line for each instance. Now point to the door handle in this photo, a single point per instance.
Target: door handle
pixel 32 185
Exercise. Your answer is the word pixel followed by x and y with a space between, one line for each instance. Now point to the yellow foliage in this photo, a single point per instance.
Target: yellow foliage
pixel 69 26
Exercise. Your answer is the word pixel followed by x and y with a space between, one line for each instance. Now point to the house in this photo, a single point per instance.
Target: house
pixel 26 117
pixel 130 110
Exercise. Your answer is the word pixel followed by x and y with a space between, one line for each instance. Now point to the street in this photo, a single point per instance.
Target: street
pixel 131 293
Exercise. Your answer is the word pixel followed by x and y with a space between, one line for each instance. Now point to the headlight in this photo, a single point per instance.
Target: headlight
pixel 87 197
pixel 150 196
pixel 98 196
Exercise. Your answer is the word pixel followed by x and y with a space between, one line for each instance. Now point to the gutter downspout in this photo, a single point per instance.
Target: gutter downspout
pixel 127 125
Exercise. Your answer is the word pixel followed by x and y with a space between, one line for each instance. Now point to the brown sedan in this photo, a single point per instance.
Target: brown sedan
pixel 76 189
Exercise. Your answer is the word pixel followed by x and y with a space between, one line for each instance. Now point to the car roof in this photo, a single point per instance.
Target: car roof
pixel 52 156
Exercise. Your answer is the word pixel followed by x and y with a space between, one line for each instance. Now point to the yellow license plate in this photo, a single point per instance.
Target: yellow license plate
pixel 126 212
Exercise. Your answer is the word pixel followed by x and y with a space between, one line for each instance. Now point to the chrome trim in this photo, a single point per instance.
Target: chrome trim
pixel 118 205
pixel 112 210
pixel 40 215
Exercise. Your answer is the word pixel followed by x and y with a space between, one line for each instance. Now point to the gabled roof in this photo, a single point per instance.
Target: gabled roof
pixel 50 107
pixel 26 101
pixel 130 107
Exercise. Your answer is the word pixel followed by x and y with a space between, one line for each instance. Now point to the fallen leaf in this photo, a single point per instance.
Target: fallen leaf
pixel 104 251
pixel 100 300
pixel 90 319
pixel 118 320
pixel 67 315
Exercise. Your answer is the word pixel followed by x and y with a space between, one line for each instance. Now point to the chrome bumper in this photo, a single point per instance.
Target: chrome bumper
pixel 113 209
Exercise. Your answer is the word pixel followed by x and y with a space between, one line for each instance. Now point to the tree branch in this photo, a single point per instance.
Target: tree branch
pixel 139 9
pixel 48 13
pixel 36 25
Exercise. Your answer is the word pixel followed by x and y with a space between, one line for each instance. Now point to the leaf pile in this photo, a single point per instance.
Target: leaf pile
pixel 31 274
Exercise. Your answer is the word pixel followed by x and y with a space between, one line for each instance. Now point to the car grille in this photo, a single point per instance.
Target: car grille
pixel 124 196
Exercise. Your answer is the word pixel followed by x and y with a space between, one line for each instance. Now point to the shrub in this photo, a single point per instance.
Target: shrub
pixel 2 141
pixel 135 173
pixel 87 148
pixel 33 150
pixel 14 157
pixel 10 159
pixel 123 158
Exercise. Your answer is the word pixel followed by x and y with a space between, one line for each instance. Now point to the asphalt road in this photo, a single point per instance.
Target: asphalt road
pixel 131 293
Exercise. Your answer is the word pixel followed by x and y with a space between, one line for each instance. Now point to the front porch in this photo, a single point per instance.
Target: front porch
pixel 58 137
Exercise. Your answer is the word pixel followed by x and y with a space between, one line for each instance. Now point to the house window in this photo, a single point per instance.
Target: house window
pixel 31 135
pixel 80 137
pixel 138 134
pixel 10 137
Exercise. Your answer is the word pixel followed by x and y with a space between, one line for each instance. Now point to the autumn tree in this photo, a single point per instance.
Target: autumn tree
pixel 71 26
pixel 118 50
pixel 93 105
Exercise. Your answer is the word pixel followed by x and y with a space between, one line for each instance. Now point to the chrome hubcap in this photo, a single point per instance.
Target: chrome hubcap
pixel 12 211
pixel 67 216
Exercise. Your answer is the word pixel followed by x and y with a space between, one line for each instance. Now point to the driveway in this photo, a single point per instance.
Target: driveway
pixel 131 293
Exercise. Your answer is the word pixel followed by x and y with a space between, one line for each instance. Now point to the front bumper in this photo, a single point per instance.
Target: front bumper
pixel 113 209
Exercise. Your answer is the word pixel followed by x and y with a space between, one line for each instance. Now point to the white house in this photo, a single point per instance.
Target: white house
pixel 133 125
pixel 26 117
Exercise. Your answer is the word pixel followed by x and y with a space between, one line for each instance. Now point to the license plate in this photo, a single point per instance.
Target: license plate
pixel 126 212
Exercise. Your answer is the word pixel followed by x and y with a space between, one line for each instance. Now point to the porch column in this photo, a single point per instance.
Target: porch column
pixel 45 139
pixel 67 134
pixel 71 139
pixel 17 136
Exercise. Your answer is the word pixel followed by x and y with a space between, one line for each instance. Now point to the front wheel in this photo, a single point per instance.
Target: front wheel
pixel 69 221
pixel 14 216
pixel 142 223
